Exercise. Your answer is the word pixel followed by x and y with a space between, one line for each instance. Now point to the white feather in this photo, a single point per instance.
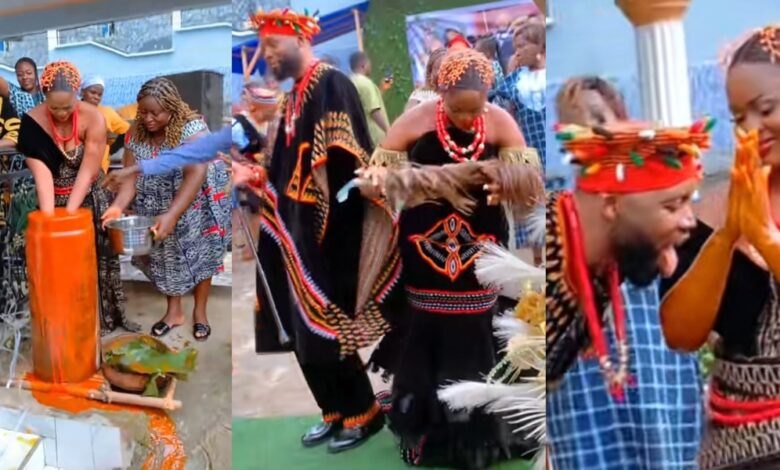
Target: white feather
pixel 536 222
pixel 523 405
pixel 498 268
pixel 507 326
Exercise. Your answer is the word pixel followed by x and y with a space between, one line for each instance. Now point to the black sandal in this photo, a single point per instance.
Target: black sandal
pixel 203 329
pixel 161 329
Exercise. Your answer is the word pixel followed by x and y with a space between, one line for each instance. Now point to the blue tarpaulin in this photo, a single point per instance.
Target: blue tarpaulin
pixel 333 25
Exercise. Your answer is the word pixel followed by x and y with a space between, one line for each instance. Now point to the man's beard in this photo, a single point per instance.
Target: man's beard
pixel 638 260
pixel 289 67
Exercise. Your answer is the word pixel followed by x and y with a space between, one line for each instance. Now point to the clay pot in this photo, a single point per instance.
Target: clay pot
pixel 645 12
pixel 130 381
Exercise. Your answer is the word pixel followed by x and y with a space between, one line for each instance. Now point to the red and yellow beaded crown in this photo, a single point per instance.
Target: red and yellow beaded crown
pixel 633 157
pixel 286 22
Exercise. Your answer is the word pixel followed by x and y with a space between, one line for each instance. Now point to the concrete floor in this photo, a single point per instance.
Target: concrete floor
pixel 204 421
pixel 268 385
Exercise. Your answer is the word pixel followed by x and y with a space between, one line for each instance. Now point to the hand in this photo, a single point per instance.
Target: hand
pixel 737 189
pixel 114 180
pixel 226 159
pixel 248 175
pixel 112 213
pixel 164 226
pixel 371 181
pixel 756 222
pixel 494 193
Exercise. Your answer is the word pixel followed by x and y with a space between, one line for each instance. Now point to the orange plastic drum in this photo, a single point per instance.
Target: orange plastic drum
pixel 62 271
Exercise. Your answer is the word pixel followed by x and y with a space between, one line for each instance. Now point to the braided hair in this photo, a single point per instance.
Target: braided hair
pixel 166 93
pixel 466 69
pixel 571 91
pixel 31 63
pixel 761 46
pixel 60 76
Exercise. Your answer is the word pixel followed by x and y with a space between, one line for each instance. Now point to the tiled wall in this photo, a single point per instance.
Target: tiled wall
pixel 153 33
pixel 708 97
pixel 34 46
pixel 205 16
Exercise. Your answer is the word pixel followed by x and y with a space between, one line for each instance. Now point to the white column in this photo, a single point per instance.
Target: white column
pixel 51 39
pixel 176 20
pixel 663 73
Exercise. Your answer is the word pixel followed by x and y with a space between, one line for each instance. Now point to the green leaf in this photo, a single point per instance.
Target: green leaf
pixel 636 158
pixel 710 124
pixel 673 162
pixel 151 389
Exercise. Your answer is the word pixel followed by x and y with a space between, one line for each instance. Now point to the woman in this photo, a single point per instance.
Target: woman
pixel 63 142
pixel 727 277
pixel 189 205
pixel 12 270
pixel 428 93
pixel 22 99
pixel 448 323
pixel 28 93
pixel 92 92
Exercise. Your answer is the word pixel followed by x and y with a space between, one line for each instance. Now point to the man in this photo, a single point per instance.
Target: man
pixel 657 425
pixel 92 90
pixel 370 96
pixel 311 243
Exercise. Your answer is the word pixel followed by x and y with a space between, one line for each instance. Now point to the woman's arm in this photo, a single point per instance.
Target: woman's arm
pixel 690 307
pixel 94 148
pixel 44 184
pixel 5 87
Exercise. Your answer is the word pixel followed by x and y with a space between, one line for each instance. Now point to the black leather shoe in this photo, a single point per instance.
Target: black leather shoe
pixel 320 433
pixel 349 438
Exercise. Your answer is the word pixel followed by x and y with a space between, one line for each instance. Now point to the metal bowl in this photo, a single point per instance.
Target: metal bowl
pixel 132 235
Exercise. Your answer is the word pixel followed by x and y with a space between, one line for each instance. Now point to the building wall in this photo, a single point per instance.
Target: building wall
pixel 593 36
pixel 196 49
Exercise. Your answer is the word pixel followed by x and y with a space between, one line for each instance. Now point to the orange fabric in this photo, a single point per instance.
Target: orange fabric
pixel 653 176
pixel 365 418
pixel 62 269
pixel 128 112
pixel 285 23
pixel 116 125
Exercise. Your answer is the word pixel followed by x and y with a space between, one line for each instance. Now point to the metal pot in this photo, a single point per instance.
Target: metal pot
pixel 132 236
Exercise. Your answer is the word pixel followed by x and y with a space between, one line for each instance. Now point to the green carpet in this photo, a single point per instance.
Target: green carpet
pixel 274 444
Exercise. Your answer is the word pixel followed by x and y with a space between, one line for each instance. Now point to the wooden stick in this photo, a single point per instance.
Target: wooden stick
pixel 358 29
pixel 244 63
pixel 106 396
pixel 253 63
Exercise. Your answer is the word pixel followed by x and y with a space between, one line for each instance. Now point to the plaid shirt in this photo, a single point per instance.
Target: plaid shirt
pixel 530 116
pixel 657 426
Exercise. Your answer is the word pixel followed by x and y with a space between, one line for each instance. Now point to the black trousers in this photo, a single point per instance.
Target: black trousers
pixel 340 387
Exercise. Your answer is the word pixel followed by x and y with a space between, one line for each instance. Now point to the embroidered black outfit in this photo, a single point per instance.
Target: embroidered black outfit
pixel 310 247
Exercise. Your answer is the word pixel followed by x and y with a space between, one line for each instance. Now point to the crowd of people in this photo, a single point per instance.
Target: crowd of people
pixel 56 126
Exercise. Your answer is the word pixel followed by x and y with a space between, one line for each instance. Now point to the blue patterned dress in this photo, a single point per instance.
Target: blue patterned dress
pixel 196 249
